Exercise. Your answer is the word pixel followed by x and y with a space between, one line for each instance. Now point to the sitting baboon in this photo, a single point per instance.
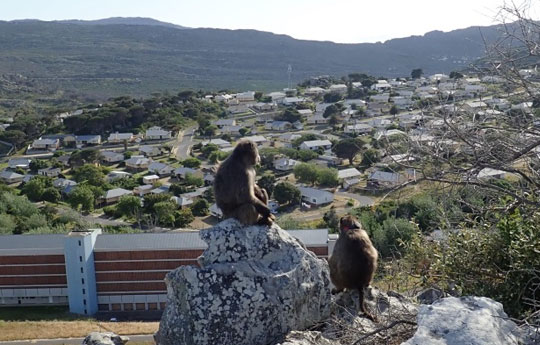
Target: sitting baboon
pixel 235 190
pixel 353 261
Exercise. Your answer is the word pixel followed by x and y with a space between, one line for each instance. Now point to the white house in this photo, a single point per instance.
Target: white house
pixel 49 172
pixel 248 96
pixel 157 133
pixel 339 88
pixel 317 120
pixel 111 157
pixel 285 164
pixel 305 112
pixel 142 190
pixel 219 142
pixel 348 174
pixel 182 201
pixel 489 173
pixel 159 168
pixel 114 195
pixel 117 175
pixel 383 97
pixel 138 162
pixel 257 139
pixel 278 125
pixel 316 144
pixel 380 178
pixel 10 177
pixel 150 179
pixel 23 163
pixel 231 130
pixel 316 196
pixel 46 144
pixel 387 133
pixel 292 100
pixel 183 171
pixel 313 91
pixel 359 128
pixel 225 122
pixel 381 85
pixel 85 140
pixel 120 137
pixel 288 138
pixel 149 151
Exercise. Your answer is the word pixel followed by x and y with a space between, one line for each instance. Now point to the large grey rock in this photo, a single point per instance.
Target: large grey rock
pixel 254 285
pixel 464 321
pixel 106 338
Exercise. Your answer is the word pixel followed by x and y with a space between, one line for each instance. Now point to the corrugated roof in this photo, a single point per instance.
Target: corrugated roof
pixel 314 237
pixel 31 244
pixel 179 240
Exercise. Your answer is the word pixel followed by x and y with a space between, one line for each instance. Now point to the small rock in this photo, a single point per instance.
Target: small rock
pixel 106 338
pixel 428 296
pixel 464 321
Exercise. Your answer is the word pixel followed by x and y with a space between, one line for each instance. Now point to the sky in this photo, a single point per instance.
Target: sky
pixel 342 21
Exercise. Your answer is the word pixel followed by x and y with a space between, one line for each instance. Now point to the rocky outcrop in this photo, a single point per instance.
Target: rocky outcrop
pixel 254 285
pixel 107 338
pixel 465 320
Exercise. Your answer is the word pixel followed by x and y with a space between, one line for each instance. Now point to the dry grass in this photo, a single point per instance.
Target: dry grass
pixel 19 330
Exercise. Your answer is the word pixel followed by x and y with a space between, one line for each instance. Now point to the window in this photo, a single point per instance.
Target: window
pixel 85 311
pixel 82 280
pixel 84 291
pixel 82 271
pixel 84 301
pixel 80 243
pixel 80 258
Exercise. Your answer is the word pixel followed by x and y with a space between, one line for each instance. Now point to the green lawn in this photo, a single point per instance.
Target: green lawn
pixel 60 313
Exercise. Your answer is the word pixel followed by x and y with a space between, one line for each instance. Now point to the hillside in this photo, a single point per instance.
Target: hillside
pixel 104 58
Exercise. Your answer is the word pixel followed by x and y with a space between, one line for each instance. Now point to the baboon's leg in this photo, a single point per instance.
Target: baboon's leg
pixel 261 194
pixel 336 290
pixel 246 214
pixel 363 307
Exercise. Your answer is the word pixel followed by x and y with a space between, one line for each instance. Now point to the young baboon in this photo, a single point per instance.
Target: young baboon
pixel 235 190
pixel 353 261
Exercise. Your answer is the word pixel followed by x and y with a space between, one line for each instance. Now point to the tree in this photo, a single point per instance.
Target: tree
pixel 370 157
pixel 327 177
pixel 164 211
pixel 90 173
pixel 332 97
pixel 348 149
pixel 193 180
pixel 37 164
pixel 394 110
pixel 129 206
pixel 209 196
pixel 267 181
pixel 151 199
pixel 14 137
pixel 287 193
pixel 210 131
pixel 191 162
pixel 176 189
pixel 51 194
pixel 331 219
pixel 34 188
pixel 243 131
pixel 208 149
pixel 82 198
pixel 183 218
pixel 85 156
pixel 306 173
pixel 218 156
pixel 290 114
pixel 455 75
pixel 200 208
pixel 331 110
pixel 417 73
pixel 7 224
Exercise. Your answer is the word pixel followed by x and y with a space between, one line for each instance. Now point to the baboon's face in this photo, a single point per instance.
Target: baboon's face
pixel 249 153
pixel 348 223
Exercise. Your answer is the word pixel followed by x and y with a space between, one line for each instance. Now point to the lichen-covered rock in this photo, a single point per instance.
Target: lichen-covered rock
pixel 106 338
pixel 307 338
pixel 465 320
pixel 254 285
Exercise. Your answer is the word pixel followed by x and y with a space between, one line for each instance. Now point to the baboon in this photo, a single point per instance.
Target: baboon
pixel 353 261
pixel 235 190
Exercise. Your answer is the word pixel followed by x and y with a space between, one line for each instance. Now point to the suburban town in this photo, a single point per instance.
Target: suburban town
pixel 308 137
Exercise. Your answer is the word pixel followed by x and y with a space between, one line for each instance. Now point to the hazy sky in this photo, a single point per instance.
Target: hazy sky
pixel 347 21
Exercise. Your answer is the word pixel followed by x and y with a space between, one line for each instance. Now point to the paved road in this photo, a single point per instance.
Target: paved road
pixel 362 199
pixel 184 143
pixel 78 341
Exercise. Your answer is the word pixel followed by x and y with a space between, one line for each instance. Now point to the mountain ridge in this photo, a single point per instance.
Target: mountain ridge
pixel 112 59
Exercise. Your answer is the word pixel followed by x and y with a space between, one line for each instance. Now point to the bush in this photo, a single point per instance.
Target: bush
pixel 200 208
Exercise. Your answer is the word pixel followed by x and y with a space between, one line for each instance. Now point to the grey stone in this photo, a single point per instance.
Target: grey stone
pixel 106 338
pixel 254 285
pixel 430 295
pixel 465 320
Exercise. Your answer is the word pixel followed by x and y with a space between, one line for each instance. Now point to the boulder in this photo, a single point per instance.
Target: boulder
pixel 465 320
pixel 106 338
pixel 253 286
